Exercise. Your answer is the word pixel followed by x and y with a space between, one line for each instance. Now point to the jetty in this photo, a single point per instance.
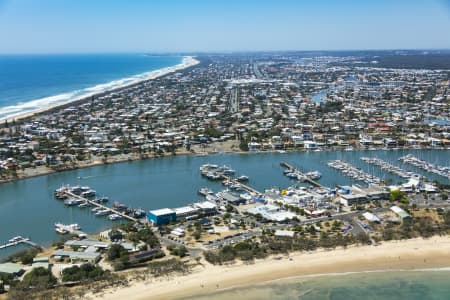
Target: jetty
pixel 19 240
pixel 242 185
pixel 101 206
pixel 305 178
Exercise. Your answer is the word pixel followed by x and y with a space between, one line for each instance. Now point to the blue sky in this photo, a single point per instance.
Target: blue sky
pixel 63 26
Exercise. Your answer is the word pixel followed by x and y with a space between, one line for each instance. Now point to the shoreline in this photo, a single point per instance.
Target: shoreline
pixel 186 62
pixel 406 255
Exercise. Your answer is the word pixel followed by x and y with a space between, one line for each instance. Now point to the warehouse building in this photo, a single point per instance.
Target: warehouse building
pixel 162 216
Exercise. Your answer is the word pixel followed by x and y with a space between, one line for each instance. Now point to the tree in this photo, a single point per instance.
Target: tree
pixel 115 235
pixel 396 195
pixel 116 251
pixel 40 278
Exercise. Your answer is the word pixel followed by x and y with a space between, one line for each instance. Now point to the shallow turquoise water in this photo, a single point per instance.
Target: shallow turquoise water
pixel 420 285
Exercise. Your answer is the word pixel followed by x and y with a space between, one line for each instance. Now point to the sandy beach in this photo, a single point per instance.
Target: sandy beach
pixel 411 254
pixel 188 61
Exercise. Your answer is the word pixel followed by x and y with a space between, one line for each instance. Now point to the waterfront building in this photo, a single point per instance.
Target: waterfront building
pixel 162 216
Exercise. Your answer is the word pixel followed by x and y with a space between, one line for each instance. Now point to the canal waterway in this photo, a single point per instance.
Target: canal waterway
pixel 28 208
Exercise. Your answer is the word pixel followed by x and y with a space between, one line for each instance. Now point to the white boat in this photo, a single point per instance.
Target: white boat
pixel 242 178
pixel 114 217
pixel 205 191
pixel 69 227
pixel 61 230
pixel 102 212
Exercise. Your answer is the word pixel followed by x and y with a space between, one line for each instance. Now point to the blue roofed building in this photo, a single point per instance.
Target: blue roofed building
pixel 162 216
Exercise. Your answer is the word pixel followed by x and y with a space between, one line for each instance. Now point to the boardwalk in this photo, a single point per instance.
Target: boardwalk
pixel 102 206
pixel 306 178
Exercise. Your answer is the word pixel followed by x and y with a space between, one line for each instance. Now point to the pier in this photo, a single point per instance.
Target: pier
pixel 20 240
pixel 244 186
pixel 102 206
pixel 306 178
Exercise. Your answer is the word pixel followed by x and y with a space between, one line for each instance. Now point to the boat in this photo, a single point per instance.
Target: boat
pixel 314 175
pixel 71 202
pixel 139 213
pixel 84 204
pixel 101 200
pixel 61 230
pixel 96 209
pixel 102 212
pixel 114 217
pixel 119 206
pixel 205 191
pixel 88 194
pixel 242 178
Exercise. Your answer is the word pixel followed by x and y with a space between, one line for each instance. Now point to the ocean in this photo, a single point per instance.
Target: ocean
pixel 389 285
pixel 33 82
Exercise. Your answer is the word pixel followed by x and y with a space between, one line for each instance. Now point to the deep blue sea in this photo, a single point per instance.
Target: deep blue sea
pixel 32 82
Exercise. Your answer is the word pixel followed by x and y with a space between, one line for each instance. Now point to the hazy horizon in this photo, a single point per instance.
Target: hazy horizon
pixel 174 26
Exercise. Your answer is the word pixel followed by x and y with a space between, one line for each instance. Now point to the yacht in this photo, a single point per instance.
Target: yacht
pixel 114 217
pixel 205 191
pixel 242 178
pixel 102 212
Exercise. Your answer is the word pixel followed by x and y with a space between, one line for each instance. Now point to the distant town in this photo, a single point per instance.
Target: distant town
pixel 231 103
pixel 250 103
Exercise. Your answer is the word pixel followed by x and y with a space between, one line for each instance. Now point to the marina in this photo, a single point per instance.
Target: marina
pixel 168 182
pixel 443 171
pixel 389 167
pixel 103 209
pixel 306 177
pixel 354 173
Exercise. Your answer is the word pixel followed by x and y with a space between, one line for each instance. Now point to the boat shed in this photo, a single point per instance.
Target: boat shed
pixel 350 199
pixel 186 211
pixel 206 207
pixel 400 212
pixel 232 199
pixel 162 216
pixel 371 217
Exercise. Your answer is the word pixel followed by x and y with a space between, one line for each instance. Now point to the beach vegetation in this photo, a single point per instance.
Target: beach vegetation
pixel 168 267
pixel 24 256
pixel 85 272
pixel 180 251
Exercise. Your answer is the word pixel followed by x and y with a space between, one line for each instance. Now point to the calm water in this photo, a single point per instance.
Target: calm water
pixel 30 82
pixel 420 285
pixel 27 207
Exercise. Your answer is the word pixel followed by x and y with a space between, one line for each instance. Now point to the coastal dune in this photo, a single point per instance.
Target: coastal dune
pixel 414 254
